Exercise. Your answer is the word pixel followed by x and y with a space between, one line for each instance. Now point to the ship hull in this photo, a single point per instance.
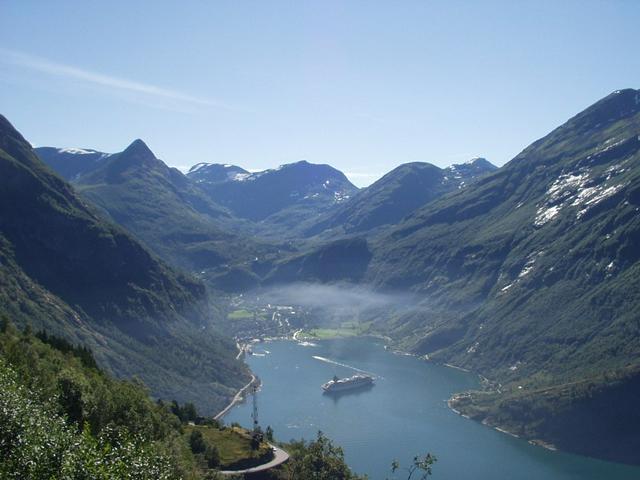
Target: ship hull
pixel 352 383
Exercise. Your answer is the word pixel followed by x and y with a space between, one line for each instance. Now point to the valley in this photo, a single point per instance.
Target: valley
pixel 403 412
pixel 319 240
pixel 526 275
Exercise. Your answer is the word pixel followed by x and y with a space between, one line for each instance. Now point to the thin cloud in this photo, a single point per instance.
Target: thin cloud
pixel 114 83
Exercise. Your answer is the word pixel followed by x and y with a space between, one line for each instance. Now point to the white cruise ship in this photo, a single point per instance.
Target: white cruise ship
pixel 340 384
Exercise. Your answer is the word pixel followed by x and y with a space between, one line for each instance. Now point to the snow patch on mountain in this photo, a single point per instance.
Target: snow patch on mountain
pixel 606 146
pixel 581 189
pixel 240 177
pixel 77 151
pixel 526 270
pixel 544 215
pixel 198 166
pixel 596 195
pixel 566 184
pixel 474 160
pixel 339 197
pixel 506 287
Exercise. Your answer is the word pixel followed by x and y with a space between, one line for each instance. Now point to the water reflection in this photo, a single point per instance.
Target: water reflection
pixel 355 392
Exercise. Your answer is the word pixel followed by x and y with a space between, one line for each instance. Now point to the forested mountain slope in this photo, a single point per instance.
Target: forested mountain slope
pixel 65 269
pixel 529 274
pixel 165 210
pixel 532 275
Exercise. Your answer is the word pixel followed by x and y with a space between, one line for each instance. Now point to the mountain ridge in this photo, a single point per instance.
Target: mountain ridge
pixel 165 210
pixel 259 195
pixel 532 276
pixel 528 273
pixel 398 193
pixel 67 270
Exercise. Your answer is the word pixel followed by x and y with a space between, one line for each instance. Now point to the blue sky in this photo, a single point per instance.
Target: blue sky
pixel 361 85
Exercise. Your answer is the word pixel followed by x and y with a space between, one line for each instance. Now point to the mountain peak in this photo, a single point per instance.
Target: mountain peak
pixel 198 166
pixel 305 167
pixel 481 163
pixel 257 195
pixel 138 148
pixel 623 100
pixel 628 93
pixel 294 165
pixel 7 130
pixel 137 156
pixel 301 163
pixel 216 172
pixel 615 106
pixel 473 167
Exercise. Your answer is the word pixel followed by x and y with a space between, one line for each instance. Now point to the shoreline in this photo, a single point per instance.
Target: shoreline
pixel 239 397
pixel 483 422
pixel 294 337
pixel 534 441
pixel 299 332
pixel 304 337
pixel 543 444
pixel 458 368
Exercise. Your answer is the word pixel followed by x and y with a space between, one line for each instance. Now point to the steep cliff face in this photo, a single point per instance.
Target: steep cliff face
pixel 67 270
pixel 165 210
pixel 535 271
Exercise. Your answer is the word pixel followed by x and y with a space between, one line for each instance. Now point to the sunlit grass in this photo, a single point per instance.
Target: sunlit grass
pixel 240 315
pixel 233 444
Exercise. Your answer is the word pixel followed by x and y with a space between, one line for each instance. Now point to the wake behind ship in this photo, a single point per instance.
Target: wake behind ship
pixel 341 384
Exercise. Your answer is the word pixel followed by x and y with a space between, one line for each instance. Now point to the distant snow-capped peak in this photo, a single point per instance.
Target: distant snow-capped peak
pixel 77 151
pixel 198 166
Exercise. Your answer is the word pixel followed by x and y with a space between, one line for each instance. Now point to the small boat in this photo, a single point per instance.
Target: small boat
pixel 341 384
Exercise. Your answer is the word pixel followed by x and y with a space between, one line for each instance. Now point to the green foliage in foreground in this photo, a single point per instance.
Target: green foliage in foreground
pixel 421 465
pixel 66 269
pixel 83 395
pixel 316 460
pixel 62 417
pixel 36 443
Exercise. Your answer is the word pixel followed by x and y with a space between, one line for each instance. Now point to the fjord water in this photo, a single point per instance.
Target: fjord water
pixel 404 414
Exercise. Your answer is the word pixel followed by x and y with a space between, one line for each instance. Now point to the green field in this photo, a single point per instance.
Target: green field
pixel 234 446
pixel 346 329
pixel 240 315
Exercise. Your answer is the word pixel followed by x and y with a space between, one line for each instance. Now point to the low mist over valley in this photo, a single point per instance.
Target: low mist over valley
pixel 235 244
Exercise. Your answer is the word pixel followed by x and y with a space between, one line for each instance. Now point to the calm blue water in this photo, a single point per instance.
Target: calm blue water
pixel 404 414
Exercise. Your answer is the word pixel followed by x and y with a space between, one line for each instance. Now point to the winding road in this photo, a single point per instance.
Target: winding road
pixel 279 457
pixel 236 399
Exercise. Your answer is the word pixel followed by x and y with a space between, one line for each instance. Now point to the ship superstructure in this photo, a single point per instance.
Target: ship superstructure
pixel 341 384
